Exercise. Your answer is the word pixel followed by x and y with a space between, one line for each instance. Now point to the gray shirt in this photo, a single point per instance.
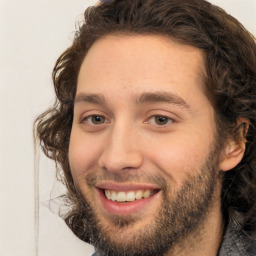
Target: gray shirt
pixel 237 242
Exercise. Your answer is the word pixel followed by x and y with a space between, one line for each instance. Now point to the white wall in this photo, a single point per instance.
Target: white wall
pixel 32 35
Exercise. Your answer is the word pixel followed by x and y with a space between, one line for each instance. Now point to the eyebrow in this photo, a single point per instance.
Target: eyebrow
pixel 144 98
pixel 90 98
pixel 162 97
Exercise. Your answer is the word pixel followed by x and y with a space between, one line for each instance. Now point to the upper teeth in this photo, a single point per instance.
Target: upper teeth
pixel 128 196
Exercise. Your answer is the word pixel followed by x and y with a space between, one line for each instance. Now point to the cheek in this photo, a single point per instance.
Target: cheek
pixel 179 157
pixel 83 154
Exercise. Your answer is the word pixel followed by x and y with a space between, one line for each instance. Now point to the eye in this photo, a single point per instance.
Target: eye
pixel 94 119
pixel 160 120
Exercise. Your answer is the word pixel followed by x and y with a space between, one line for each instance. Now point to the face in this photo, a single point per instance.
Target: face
pixel 142 148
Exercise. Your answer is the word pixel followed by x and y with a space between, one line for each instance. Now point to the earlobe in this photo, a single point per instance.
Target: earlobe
pixel 232 156
pixel 234 151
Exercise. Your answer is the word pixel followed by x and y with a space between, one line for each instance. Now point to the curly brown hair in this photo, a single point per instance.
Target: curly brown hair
pixel 230 83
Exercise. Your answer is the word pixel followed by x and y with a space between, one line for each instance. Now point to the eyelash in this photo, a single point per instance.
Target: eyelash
pixel 85 119
pixel 166 118
pixel 169 120
pixel 151 120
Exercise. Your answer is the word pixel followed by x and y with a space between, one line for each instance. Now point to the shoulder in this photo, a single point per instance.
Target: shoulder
pixel 236 241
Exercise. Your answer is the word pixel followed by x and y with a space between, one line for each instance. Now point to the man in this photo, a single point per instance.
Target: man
pixel 154 129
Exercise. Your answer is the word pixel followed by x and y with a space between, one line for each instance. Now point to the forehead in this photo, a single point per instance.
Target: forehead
pixel 134 64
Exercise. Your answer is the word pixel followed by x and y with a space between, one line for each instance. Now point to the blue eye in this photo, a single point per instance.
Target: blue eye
pixel 160 120
pixel 94 119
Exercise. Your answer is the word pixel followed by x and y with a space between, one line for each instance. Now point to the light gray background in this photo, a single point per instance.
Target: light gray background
pixel 32 35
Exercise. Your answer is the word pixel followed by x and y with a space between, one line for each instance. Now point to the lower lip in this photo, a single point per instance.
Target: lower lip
pixel 125 208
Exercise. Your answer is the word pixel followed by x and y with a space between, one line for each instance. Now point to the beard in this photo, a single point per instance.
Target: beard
pixel 180 216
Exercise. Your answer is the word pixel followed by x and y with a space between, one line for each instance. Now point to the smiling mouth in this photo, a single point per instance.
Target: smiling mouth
pixel 128 196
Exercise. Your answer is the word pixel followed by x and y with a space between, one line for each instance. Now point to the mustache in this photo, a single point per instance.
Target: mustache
pixel 92 179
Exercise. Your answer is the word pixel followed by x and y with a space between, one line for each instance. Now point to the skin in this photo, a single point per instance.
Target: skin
pixel 127 147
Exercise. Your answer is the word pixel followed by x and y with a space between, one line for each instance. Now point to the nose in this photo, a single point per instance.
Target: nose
pixel 121 151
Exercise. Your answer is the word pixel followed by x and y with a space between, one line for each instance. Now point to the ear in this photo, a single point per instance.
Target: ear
pixel 233 153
